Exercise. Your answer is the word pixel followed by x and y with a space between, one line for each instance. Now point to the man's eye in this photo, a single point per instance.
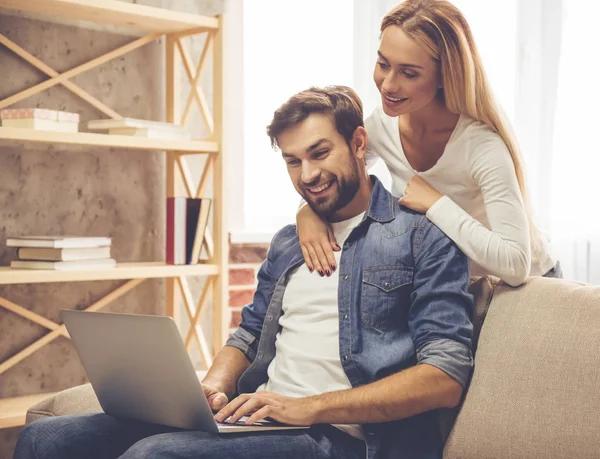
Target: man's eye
pixel 321 154
pixel 293 162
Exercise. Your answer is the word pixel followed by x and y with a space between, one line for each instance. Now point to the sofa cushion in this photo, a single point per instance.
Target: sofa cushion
pixel 534 389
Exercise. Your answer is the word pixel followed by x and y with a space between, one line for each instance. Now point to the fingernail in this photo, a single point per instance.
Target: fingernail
pixel 328 273
pixel 311 269
pixel 332 268
pixel 320 273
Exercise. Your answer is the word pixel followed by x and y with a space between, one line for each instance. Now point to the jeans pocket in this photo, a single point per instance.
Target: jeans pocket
pixel 385 289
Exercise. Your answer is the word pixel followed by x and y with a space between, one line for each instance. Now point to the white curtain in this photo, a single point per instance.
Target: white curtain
pixel 575 155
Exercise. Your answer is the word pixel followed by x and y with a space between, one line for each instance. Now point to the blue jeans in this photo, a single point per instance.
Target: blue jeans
pixel 100 436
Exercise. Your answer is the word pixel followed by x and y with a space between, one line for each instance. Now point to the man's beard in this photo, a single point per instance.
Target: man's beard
pixel 346 189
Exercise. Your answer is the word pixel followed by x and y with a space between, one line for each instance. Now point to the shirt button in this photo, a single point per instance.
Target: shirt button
pixel 346 317
pixel 269 318
pixel 345 278
pixel 387 285
pixel 345 358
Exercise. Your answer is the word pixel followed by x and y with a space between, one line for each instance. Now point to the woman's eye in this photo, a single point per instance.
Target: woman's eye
pixel 410 75
pixel 383 65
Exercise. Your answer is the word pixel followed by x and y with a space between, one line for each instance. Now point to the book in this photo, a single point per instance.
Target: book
pixel 187 219
pixel 151 133
pixel 176 230
pixel 40 119
pixel 33 253
pixel 99 125
pixel 79 265
pixel 58 242
pixel 201 225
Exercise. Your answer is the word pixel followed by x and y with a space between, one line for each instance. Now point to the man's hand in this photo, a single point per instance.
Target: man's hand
pixel 216 398
pixel 260 405
pixel 419 195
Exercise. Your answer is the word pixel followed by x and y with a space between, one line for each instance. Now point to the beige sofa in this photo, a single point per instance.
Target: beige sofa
pixel 535 391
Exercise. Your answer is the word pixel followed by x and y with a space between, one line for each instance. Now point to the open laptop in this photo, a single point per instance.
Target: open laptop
pixel 140 369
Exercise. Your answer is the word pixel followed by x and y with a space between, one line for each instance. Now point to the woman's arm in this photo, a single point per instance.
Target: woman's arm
pixel 504 249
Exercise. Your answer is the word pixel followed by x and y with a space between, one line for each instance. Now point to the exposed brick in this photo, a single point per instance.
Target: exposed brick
pixel 238 298
pixel 248 253
pixel 236 318
pixel 244 276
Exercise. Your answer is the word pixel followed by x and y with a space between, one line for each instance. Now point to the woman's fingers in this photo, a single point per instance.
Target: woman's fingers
pixel 307 259
pixel 315 259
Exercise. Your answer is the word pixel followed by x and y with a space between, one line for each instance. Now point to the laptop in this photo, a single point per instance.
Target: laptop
pixel 140 369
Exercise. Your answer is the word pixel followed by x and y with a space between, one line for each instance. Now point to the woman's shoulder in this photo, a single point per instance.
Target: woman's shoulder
pixel 478 139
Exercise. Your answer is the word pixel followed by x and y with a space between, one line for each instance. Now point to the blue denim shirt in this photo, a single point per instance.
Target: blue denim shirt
pixel 402 300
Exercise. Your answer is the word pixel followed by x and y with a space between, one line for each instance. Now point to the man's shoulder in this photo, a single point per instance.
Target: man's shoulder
pixel 284 239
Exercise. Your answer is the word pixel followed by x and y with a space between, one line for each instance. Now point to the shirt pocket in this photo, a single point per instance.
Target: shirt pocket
pixel 385 296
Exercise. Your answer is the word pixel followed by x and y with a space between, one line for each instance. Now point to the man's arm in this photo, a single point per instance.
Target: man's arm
pixel 220 383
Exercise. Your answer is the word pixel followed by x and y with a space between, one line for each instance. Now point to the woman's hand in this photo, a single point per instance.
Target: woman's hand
pixel 317 242
pixel 419 195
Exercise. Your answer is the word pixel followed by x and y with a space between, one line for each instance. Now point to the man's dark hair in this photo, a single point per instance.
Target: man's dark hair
pixel 339 101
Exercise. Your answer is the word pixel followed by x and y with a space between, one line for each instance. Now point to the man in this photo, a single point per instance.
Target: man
pixel 363 355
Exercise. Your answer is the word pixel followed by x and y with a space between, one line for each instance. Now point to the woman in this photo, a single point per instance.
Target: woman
pixel 449 152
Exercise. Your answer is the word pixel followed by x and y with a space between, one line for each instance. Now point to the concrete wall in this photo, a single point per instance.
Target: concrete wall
pixel 49 189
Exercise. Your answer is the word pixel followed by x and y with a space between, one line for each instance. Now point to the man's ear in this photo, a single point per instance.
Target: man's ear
pixel 359 142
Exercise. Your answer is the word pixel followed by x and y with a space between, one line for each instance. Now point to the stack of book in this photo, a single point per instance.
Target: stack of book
pixel 141 128
pixel 187 219
pixel 61 253
pixel 41 119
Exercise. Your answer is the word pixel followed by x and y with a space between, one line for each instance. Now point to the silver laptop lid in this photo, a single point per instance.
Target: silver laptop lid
pixel 139 368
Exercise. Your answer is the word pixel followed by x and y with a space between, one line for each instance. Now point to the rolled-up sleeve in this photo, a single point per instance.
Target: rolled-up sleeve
pixel 441 306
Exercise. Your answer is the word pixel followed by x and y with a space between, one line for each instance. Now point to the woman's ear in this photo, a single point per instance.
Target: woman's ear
pixel 360 141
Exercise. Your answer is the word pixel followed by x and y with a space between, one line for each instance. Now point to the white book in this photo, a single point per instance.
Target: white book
pixel 58 242
pixel 98 125
pixel 151 133
pixel 48 254
pixel 80 265
pixel 38 124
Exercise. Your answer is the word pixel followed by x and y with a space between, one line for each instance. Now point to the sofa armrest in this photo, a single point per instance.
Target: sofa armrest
pixel 76 400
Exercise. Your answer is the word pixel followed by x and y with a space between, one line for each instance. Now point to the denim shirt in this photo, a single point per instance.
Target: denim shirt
pixel 402 300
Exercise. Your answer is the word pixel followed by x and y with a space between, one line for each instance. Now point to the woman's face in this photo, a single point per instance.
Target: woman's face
pixel 405 74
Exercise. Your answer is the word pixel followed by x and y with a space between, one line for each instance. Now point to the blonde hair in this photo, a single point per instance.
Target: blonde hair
pixel 443 31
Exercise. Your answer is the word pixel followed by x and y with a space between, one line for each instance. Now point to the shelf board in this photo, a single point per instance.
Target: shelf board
pixel 13 410
pixel 113 13
pixel 121 271
pixel 107 140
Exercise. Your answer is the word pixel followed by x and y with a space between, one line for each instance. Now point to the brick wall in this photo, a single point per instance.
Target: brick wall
pixel 245 260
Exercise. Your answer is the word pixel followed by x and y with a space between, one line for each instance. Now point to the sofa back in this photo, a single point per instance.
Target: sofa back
pixel 535 390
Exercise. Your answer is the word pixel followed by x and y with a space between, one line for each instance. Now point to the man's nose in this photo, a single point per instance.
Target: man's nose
pixel 310 173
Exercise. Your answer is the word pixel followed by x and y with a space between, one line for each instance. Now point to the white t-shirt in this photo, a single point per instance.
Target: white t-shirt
pixel 307 359
pixel 482 210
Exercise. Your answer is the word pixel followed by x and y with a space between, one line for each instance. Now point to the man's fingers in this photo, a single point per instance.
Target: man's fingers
pixel 247 408
pixel 307 259
pixel 232 407
pixel 217 400
pixel 259 415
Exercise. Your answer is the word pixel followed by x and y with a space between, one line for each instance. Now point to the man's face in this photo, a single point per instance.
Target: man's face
pixel 322 166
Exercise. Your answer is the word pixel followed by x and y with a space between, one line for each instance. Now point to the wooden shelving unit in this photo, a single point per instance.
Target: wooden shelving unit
pixel 104 140
pixel 150 24
pixel 12 410
pixel 151 270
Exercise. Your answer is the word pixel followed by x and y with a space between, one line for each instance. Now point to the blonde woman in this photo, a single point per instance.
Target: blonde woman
pixel 450 154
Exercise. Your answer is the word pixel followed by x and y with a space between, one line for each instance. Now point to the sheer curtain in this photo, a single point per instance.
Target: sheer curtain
pixel 575 165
